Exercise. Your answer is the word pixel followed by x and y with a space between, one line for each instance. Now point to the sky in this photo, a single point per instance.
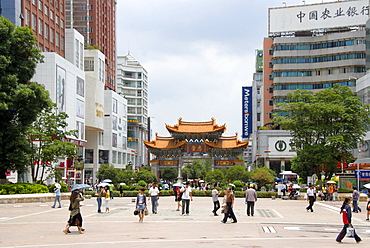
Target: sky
pixel 198 54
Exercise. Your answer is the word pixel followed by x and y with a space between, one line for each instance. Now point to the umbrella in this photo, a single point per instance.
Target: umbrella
pixel 80 186
pixel 178 185
pixel 331 182
pixel 103 184
pixel 201 181
pixel 367 186
pixel 57 185
pixel 107 181
pixel 122 184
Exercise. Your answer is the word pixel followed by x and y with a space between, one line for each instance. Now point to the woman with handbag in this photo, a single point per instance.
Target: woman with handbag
pixel 346 212
pixel 75 218
pixel 229 200
pixel 141 204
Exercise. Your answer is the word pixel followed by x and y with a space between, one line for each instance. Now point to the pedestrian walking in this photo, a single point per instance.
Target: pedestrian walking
pixel 99 194
pixel 186 198
pixel 107 198
pixel 283 189
pixel 216 202
pixel 121 191
pixel 141 204
pixel 178 197
pixel 111 187
pixel 368 206
pixel 57 195
pixel 250 199
pixel 345 210
pixel 154 197
pixel 229 200
pixel 335 194
pixel 355 198
pixel 75 218
pixel 311 197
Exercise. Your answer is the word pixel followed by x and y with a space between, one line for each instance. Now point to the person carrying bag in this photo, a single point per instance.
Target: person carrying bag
pixel 347 229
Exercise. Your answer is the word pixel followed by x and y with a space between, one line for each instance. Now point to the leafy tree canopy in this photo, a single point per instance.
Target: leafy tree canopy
pixel 48 141
pixel 263 176
pixel 169 174
pixel 237 172
pixel 325 127
pixel 216 176
pixel 20 100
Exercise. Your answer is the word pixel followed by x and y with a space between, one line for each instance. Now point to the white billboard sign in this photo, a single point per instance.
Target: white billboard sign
pixel 318 16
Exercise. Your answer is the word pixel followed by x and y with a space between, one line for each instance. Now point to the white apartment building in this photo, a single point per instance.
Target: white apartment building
pixel 132 84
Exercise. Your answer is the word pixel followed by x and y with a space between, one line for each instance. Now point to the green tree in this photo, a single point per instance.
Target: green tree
pixel 146 176
pixel 197 169
pixel 126 176
pixel 48 141
pixel 263 176
pixel 20 100
pixel 107 171
pixel 168 174
pixel 237 172
pixel 325 127
pixel 216 176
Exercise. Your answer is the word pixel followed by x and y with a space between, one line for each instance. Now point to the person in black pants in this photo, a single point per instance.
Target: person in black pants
pixel 229 200
pixel 311 198
pixel 345 210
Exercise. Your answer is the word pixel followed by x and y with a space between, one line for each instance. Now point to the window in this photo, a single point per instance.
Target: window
pixel 46 34
pixel 89 64
pixel 271 103
pixel 51 35
pixel 46 10
pixel 114 109
pixel 28 16
pixel 139 93
pixel 77 52
pixel 57 39
pixel 40 5
pixel 61 23
pixel 34 2
pixel 114 139
pixel 51 15
pixel 34 22
pixel 114 156
pixel 62 43
pixel 41 27
pixel 89 156
pixel 57 19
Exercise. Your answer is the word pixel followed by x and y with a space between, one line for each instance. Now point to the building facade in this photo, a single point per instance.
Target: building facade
pixel 132 84
pixel 45 17
pixel 96 21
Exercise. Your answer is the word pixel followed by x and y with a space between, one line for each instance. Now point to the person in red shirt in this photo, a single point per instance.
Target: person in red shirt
pixel 346 212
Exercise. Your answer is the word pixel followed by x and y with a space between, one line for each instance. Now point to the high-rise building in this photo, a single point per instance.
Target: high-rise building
pixel 132 83
pixel 313 47
pixel 96 21
pixel 45 17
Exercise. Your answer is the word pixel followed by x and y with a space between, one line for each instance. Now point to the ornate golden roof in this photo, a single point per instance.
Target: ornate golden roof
pixel 227 142
pixel 164 143
pixel 196 127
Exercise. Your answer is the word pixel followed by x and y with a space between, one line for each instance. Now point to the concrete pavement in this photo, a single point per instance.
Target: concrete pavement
pixel 277 223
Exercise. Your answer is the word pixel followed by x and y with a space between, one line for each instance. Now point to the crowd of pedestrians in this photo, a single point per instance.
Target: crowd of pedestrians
pixel 183 197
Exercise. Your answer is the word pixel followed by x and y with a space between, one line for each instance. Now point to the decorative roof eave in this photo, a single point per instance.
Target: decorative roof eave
pixel 164 143
pixel 196 127
pixel 227 142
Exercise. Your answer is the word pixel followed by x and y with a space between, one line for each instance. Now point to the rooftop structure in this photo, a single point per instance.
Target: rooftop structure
pixel 192 141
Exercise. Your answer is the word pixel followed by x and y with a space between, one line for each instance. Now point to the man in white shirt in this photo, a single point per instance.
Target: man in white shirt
pixel 216 202
pixel 154 196
pixel 311 195
pixel 186 198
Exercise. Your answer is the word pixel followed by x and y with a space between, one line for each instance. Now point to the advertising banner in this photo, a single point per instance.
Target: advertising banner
pixel 259 61
pixel 247 111
pixel 318 16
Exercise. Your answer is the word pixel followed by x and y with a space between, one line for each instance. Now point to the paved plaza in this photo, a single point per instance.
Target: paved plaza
pixel 277 223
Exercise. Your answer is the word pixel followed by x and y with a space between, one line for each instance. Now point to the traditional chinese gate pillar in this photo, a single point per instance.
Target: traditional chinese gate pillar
pixel 179 168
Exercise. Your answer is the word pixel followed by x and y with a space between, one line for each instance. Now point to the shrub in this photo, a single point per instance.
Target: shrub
pixel 22 188
pixel 266 194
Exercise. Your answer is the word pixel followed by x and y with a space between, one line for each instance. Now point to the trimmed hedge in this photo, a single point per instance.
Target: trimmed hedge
pixel 22 188
pixel 207 193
